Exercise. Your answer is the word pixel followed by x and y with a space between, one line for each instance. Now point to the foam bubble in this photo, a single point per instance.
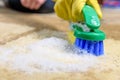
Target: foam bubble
pixel 47 55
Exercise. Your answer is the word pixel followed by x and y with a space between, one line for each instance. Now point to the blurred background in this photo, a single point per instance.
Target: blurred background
pixel 110 3
pixel 110 21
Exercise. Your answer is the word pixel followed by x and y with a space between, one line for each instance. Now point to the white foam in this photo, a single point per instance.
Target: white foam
pixel 50 54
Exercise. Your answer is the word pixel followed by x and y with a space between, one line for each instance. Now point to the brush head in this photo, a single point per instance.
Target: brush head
pixel 93 47
pixel 91 41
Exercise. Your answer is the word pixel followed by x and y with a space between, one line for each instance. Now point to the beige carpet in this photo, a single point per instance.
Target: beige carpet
pixel 18 30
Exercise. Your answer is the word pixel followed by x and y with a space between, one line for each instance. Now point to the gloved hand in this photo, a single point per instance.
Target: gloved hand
pixel 71 10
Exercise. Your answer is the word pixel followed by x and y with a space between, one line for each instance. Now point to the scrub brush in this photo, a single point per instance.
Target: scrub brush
pixel 87 33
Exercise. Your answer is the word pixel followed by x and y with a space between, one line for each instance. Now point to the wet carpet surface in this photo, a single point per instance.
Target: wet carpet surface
pixel 20 29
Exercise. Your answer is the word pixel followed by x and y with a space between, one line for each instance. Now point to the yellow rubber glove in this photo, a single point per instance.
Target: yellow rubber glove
pixel 71 10
pixel 70 36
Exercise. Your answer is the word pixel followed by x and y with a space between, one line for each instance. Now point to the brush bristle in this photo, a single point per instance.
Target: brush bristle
pixel 92 47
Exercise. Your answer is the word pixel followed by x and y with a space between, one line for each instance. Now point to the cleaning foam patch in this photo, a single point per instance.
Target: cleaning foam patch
pixel 47 55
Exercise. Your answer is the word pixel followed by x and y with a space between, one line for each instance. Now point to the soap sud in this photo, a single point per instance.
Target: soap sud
pixel 47 55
